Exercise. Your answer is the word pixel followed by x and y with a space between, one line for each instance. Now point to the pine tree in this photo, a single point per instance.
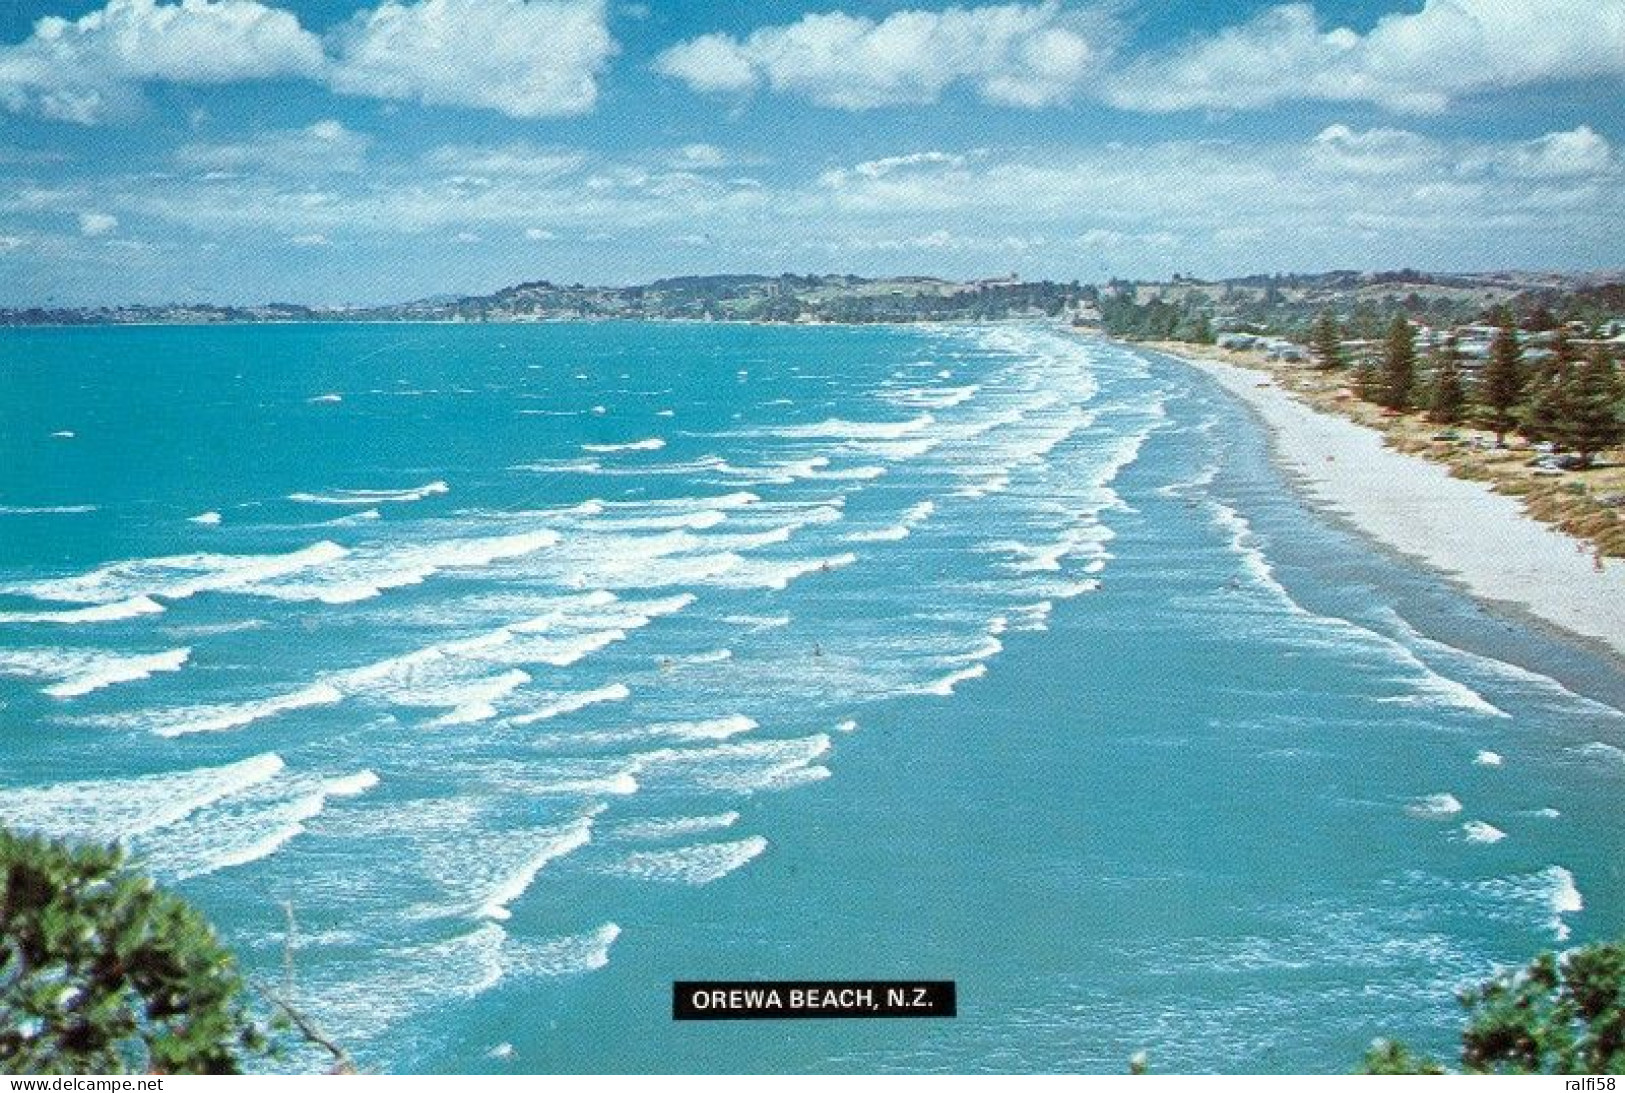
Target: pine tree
pixel 1326 342
pixel 1546 399
pixel 1398 365
pixel 1592 420
pixel 1501 386
pixel 1449 398
pixel 1198 329
pixel 1367 380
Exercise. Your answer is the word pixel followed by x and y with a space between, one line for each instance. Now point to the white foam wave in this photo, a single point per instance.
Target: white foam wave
pixel 125 807
pixel 111 612
pixel 743 767
pixel 700 864
pixel 1435 806
pixel 570 703
pixel 248 827
pixel 354 519
pixel 1429 687
pixel 1488 759
pixel 652 444
pixel 551 846
pixel 80 673
pixel 132 583
pixel 1032 616
pixel 839 429
pixel 1563 897
pixel 219 718
pixel 945 685
pixel 674 827
pixel 371 497
pixel 716 728
pixel 1477 831
pixel 362 574
pixel 208 519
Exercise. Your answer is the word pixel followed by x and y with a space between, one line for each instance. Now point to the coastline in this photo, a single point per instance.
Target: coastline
pixel 1415 507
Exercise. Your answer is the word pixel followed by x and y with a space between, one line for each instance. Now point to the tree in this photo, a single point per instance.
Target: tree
pixel 1367 379
pixel 1326 342
pixel 1501 386
pixel 1398 365
pixel 1449 397
pixel 102 972
pixel 1591 419
pixel 1546 399
pixel 1559 1015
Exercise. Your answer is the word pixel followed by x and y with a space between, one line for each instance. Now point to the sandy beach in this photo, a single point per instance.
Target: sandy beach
pixel 1413 506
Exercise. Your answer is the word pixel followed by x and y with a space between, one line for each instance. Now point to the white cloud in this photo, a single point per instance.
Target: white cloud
pixel 311 239
pixel 1414 62
pixel 85 69
pixel 92 224
pixel 327 145
pixel 1013 54
pixel 9 243
pixel 524 58
pixel 1374 151
pixel 539 235
pixel 1577 153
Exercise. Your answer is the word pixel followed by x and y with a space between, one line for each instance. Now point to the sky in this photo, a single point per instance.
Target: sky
pixel 369 151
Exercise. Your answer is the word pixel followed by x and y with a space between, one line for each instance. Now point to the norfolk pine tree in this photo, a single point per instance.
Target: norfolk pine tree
pixel 1449 397
pixel 1592 417
pixel 1546 401
pixel 1501 387
pixel 1326 342
pixel 1398 366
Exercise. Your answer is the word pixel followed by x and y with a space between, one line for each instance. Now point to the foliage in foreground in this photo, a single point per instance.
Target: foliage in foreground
pixel 1560 1015
pixel 102 972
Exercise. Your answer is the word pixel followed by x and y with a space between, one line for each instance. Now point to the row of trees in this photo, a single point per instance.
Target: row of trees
pixel 1570 400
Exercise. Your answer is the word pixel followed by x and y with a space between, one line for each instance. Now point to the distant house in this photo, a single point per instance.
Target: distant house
pixel 1236 341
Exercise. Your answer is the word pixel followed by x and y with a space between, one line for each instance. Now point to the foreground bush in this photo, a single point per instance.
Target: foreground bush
pixel 1560 1015
pixel 102 972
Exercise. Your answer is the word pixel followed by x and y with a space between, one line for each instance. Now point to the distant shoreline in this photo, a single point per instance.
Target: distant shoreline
pixel 1413 506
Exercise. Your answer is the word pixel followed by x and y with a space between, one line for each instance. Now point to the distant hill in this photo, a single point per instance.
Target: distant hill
pixel 1275 301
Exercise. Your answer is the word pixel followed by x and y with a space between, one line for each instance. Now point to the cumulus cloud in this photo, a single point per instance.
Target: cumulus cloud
pixel 1012 54
pixel 83 70
pixel 1413 63
pixel 524 58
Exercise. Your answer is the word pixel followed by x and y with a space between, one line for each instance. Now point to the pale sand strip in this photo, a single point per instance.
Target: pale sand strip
pixel 1413 506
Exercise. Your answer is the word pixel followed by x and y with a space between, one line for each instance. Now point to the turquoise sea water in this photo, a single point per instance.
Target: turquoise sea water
pixel 539 666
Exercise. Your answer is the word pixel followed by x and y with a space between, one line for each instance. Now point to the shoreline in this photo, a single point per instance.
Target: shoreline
pixel 1481 539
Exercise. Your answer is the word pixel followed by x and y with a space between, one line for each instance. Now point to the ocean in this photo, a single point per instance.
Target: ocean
pixel 531 668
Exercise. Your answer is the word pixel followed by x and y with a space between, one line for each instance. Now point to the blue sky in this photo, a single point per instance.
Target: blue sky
pixel 334 151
